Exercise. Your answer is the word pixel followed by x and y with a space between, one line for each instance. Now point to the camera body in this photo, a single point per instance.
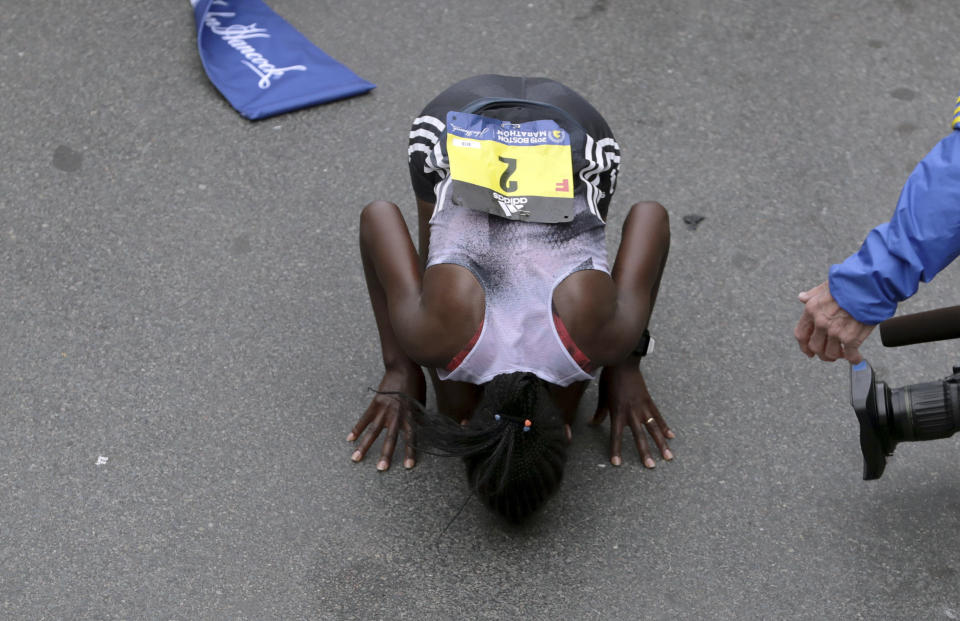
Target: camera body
pixel 888 416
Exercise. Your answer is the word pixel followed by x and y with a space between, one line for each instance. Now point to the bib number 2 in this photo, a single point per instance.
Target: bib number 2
pixel 505 184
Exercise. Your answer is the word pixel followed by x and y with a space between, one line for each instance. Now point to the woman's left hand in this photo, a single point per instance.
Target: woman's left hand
pixel 623 395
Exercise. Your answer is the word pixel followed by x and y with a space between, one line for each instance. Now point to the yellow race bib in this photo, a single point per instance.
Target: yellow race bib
pixel 521 171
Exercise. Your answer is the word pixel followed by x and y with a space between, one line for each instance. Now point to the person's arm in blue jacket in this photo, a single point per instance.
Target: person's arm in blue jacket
pixel 921 238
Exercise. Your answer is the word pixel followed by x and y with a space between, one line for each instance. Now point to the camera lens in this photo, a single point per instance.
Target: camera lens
pixel 924 411
pixel 888 416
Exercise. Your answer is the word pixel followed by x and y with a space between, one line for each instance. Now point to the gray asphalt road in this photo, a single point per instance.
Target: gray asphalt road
pixel 185 338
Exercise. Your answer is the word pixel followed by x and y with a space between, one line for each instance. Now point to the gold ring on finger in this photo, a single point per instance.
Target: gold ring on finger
pixel 648 421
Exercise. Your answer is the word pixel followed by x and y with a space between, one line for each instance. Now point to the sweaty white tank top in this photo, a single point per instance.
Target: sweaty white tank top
pixel 518 264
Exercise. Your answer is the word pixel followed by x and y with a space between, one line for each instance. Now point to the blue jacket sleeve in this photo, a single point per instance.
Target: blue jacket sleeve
pixel 921 239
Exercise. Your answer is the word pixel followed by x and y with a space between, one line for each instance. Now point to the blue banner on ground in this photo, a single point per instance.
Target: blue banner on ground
pixel 262 64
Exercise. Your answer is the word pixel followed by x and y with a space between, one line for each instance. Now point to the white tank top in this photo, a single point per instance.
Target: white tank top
pixel 518 264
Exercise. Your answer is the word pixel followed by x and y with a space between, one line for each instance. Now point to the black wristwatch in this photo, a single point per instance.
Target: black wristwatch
pixel 645 346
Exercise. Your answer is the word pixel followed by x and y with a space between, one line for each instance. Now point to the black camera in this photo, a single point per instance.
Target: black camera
pixel 888 416
pixel 913 413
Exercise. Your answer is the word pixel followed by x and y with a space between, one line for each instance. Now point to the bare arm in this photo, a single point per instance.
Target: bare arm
pixel 382 228
pixel 425 319
pixel 421 320
pixel 609 328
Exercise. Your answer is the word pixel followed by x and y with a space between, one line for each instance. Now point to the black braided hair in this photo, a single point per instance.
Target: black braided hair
pixel 512 469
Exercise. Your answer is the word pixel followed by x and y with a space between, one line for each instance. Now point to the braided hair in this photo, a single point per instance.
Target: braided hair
pixel 514 446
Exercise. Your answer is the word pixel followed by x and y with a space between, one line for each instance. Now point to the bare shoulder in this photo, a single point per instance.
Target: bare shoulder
pixel 585 301
pixel 452 302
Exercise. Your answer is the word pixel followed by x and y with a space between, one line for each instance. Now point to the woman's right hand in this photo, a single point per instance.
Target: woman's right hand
pixel 386 411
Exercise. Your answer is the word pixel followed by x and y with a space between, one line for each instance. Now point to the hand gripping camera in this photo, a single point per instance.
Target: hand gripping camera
pixel 913 413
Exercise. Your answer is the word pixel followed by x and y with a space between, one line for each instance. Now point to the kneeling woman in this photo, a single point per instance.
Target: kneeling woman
pixel 511 305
